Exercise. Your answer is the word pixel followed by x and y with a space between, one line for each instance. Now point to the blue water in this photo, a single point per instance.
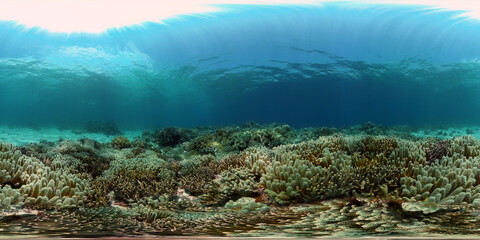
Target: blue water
pixel 333 65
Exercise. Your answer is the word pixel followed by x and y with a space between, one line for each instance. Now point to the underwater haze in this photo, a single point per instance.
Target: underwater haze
pixel 239 118
pixel 335 64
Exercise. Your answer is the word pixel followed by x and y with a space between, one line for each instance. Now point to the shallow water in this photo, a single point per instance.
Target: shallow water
pixel 332 119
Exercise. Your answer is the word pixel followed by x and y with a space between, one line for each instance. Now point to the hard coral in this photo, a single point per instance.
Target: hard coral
pixel 121 142
pixel 39 185
pixel 232 184
pixel 143 176
pixel 437 151
pixel 171 137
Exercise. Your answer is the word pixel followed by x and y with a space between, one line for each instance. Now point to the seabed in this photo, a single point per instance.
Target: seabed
pixel 250 181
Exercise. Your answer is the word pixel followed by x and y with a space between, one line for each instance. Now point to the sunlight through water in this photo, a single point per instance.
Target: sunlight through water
pixel 96 16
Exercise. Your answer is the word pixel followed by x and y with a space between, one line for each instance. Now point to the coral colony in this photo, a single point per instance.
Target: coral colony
pixel 365 179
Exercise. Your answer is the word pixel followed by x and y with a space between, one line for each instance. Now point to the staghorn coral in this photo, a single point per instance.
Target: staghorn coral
pixel 228 162
pixel 379 184
pixel 143 176
pixel 372 146
pixel 257 160
pixel 205 144
pixel 237 182
pixel 194 174
pixel 289 178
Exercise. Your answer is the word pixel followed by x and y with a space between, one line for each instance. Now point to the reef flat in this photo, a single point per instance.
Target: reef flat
pixel 251 180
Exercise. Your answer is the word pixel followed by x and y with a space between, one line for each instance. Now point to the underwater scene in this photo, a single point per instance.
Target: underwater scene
pixel 229 118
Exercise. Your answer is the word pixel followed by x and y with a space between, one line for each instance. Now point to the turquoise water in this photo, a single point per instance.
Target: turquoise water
pixel 338 119
pixel 330 65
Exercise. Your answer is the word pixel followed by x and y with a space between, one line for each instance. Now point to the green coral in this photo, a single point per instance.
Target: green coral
pixel 121 142
pixel 205 144
pixel 83 156
pixel 337 166
pixel 268 137
pixel 289 178
pixel 10 198
pixel 246 204
pixel 451 181
pixel 232 184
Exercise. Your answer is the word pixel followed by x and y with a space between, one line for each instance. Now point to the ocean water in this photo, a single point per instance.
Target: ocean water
pixel 341 119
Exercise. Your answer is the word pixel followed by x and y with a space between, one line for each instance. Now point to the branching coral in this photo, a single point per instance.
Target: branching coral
pixel 121 142
pixel 40 186
pixel 289 178
pixel 143 176
pixel 268 137
pixel 170 137
pixel 337 166
pixel 195 175
pixel 232 184
pixel 367 183
pixel 451 181
pixel 83 156
pixel 228 162
pixel 437 151
pixel 246 204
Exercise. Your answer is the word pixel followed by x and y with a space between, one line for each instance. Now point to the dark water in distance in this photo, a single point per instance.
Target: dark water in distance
pixel 334 65
pixel 392 79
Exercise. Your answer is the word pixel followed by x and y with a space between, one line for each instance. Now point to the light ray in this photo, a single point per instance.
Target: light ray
pixel 96 16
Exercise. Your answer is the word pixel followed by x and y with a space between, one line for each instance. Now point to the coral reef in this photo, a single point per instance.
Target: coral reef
pixel 231 184
pixel 143 176
pixel 81 156
pixel 195 174
pixel 437 151
pixel 366 178
pixel 121 142
pixel 170 137
pixel 28 181
pixel 246 204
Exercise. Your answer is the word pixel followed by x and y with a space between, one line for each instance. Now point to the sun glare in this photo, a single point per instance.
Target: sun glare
pixel 96 16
